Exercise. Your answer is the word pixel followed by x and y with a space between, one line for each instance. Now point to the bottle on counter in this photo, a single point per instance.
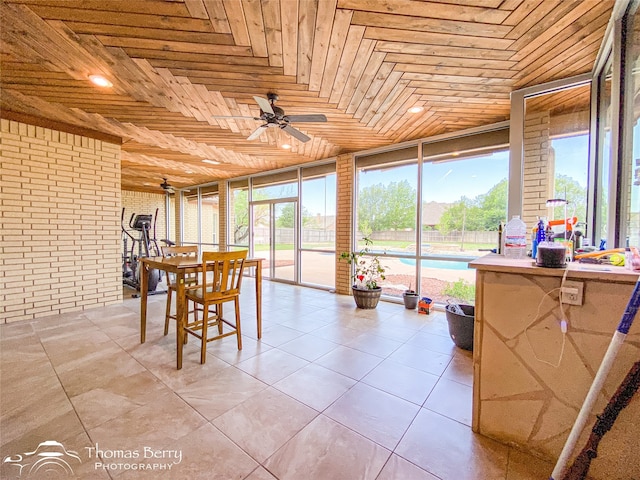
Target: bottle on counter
pixel 538 237
pixel 515 238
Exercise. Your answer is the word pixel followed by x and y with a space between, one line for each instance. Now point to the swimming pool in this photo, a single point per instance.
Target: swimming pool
pixel 446 264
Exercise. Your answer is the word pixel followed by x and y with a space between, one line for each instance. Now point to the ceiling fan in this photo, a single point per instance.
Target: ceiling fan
pixel 166 186
pixel 273 116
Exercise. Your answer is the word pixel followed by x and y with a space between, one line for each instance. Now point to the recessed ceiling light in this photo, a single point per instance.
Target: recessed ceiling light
pixel 286 146
pixel 188 171
pixel 100 81
pixel 212 162
pixel 415 109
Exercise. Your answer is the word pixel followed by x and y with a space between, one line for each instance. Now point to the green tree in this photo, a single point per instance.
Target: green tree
pixel 484 212
pixel 493 205
pixel 287 215
pixel 387 207
pixel 569 189
pixel 241 214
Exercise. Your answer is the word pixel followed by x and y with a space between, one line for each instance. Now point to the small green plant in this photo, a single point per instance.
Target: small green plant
pixel 461 290
pixel 368 270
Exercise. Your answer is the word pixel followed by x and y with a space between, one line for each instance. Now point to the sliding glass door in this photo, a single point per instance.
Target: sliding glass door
pixel 274 237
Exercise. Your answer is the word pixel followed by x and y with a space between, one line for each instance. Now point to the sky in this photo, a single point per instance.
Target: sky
pixel 447 181
pixel 572 156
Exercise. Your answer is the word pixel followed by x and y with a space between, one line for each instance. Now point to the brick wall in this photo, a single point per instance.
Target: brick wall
pixel 344 221
pixel 538 168
pixel 178 204
pixel 60 222
pixel 146 203
pixel 190 218
pixel 210 220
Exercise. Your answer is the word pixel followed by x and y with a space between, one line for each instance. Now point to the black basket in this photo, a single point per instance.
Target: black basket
pixel 461 326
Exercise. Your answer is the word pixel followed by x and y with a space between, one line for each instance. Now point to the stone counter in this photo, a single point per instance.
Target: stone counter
pixel 529 380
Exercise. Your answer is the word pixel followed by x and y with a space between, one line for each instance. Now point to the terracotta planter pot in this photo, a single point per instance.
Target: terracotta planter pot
pixel 366 298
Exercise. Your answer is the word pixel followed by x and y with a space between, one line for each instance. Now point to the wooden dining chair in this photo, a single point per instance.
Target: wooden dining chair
pixel 220 283
pixel 190 280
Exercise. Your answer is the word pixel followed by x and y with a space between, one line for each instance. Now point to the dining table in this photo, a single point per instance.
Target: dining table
pixel 181 266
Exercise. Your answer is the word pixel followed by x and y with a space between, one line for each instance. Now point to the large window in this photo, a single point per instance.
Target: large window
pixel 274 186
pixel 386 212
pixel 386 207
pixel 615 187
pixel 556 154
pixel 238 214
pixel 318 225
pixel 603 153
pixel 571 155
pixel 432 212
pixel 630 169
pixel 209 218
pixel 200 217
pixel 190 214
pixel 464 199
pixel 292 222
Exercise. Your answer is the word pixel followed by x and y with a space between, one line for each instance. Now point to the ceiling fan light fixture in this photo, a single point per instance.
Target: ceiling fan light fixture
pixel 286 146
pixel 100 81
pixel 416 109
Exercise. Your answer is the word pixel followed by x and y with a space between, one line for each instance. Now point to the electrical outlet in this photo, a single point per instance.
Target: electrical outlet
pixel 572 292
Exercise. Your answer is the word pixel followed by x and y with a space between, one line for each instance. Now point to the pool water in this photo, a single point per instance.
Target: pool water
pixel 446 264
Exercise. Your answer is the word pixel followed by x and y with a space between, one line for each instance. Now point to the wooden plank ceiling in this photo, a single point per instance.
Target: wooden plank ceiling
pixel 175 65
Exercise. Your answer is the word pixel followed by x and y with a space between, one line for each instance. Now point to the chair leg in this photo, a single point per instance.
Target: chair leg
pixel 238 330
pixel 203 346
pixel 220 322
pixel 168 312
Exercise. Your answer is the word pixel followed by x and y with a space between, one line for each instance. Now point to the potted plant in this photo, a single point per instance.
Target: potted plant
pixel 410 298
pixel 367 272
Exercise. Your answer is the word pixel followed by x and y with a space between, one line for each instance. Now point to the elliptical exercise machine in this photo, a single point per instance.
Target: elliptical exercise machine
pixel 141 245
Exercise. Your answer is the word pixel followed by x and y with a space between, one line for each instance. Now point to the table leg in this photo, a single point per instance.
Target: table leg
pixel 181 313
pixel 144 275
pixel 259 298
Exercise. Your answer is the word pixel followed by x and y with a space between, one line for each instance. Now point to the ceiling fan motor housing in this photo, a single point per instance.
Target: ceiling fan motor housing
pixel 278 114
pixel 273 116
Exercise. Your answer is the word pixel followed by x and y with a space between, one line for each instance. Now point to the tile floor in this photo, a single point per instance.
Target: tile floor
pixel 330 392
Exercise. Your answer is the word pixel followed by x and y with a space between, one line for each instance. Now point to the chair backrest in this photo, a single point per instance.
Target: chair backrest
pixel 226 269
pixel 185 251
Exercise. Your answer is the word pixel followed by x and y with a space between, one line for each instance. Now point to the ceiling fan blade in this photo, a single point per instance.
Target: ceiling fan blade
pixel 257 132
pixel 296 133
pixel 264 105
pixel 305 118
